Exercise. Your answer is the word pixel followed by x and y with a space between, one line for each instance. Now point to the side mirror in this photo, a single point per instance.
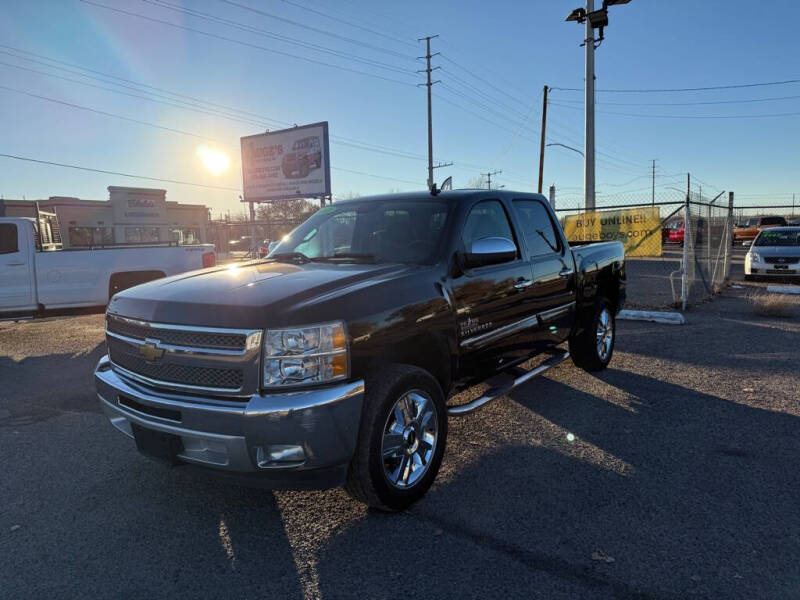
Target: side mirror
pixel 489 251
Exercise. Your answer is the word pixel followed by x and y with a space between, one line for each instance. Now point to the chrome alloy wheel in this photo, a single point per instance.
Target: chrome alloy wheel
pixel 605 334
pixel 409 439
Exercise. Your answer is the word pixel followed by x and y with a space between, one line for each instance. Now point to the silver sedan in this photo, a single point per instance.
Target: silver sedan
pixel 774 253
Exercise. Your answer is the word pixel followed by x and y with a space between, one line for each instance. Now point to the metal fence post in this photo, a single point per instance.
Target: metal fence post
pixel 728 239
pixel 685 266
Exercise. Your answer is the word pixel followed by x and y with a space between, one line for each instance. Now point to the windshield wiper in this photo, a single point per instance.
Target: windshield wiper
pixel 352 256
pixel 297 257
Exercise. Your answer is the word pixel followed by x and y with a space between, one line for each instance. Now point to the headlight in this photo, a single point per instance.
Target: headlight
pixel 755 256
pixel 305 356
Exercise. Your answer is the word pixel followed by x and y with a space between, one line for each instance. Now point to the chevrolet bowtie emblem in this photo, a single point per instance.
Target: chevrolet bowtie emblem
pixel 150 350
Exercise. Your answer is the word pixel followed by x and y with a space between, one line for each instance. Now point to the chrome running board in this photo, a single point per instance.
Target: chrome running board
pixel 495 393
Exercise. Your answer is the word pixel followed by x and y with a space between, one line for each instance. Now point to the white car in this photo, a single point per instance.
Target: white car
pixel 32 279
pixel 774 253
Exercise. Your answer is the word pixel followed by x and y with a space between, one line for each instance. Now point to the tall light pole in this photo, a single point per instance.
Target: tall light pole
pixel 592 19
pixel 588 88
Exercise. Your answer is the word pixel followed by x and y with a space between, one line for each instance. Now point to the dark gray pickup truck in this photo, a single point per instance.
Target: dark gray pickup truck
pixel 331 361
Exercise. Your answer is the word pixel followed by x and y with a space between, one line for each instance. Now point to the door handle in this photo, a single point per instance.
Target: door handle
pixel 15 264
pixel 523 283
pixel 566 272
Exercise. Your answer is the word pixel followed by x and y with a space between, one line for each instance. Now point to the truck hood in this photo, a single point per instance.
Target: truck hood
pixel 251 295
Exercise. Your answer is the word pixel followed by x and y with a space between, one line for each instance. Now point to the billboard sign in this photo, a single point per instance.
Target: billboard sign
pixel 286 164
pixel 639 229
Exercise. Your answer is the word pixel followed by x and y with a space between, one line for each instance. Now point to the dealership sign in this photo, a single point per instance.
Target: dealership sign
pixel 639 229
pixel 291 163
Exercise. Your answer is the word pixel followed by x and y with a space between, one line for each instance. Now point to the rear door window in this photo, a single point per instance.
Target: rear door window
pixel 9 240
pixel 537 227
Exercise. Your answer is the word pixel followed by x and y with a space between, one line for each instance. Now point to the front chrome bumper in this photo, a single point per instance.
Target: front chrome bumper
pixel 235 436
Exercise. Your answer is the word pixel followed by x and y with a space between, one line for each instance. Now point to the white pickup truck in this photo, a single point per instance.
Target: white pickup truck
pixel 33 280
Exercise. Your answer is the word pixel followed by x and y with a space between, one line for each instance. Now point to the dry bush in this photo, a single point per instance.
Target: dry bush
pixel 774 305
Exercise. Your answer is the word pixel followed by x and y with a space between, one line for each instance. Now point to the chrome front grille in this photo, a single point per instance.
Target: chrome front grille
pixel 127 356
pixel 185 358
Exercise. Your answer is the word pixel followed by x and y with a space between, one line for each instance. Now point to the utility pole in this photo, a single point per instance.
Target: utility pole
pixel 588 172
pixel 429 85
pixel 654 182
pixel 592 20
pixel 541 146
pixel 489 177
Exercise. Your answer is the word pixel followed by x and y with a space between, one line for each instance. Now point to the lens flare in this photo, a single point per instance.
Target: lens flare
pixel 213 160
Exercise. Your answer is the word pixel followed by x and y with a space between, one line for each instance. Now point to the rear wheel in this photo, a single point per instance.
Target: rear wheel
pixel 402 438
pixel 593 348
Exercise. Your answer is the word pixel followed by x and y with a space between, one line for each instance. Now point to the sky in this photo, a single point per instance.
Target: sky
pixel 165 77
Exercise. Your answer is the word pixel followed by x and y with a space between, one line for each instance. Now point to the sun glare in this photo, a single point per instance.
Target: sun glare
pixel 215 161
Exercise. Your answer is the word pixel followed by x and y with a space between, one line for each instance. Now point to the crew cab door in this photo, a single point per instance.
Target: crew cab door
pixel 17 291
pixel 553 291
pixel 491 310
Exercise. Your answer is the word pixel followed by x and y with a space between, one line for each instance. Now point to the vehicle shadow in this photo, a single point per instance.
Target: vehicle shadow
pixel 687 492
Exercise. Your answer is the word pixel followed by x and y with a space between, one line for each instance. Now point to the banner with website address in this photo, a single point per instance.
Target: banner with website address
pixel 639 229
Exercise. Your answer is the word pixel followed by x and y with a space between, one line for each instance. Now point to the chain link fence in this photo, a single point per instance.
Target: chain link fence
pixel 677 246
pixel 708 251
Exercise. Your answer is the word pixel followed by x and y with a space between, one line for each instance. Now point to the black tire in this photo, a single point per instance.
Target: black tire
pixel 367 477
pixel 584 348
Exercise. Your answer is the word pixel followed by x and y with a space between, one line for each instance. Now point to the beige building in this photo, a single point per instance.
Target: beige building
pixel 130 215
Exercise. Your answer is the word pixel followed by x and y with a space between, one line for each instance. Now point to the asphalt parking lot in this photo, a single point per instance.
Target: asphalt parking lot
pixel 673 474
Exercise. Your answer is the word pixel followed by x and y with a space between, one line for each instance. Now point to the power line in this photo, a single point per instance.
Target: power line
pixel 107 114
pixel 197 105
pixel 709 102
pixel 349 23
pixel 246 44
pixel 314 29
pixel 652 116
pixel 480 93
pixel 376 176
pixel 368 146
pixel 105 172
pixel 276 36
pixel 694 89
pixel 485 81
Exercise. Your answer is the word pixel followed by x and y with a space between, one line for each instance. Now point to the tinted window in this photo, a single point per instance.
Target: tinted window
pixel 486 219
pixel 773 221
pixel 537 227
pixel 8 238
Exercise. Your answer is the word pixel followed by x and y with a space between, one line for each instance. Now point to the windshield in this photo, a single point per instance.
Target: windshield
pixel 784 237
pixel 373 231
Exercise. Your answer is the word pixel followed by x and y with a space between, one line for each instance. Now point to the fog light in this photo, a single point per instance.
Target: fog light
pixel 280 455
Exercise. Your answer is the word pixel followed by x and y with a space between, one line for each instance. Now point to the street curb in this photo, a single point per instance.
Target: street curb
pixel 669 318
pixel 783 289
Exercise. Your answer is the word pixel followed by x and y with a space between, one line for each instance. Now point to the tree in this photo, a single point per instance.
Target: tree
pixel 476 183
pixel 297 209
